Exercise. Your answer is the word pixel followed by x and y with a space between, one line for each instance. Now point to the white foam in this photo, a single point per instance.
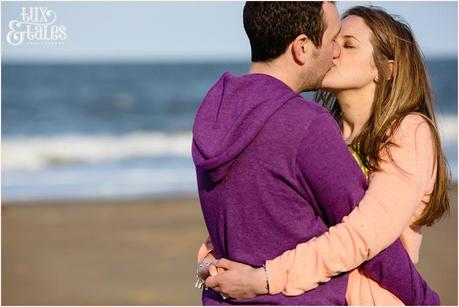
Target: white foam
pixel 40 152
pixel 447 127
pixel 98 183
pixel 34 153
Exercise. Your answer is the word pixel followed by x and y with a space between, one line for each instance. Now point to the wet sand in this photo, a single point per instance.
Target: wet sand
pixel 141 253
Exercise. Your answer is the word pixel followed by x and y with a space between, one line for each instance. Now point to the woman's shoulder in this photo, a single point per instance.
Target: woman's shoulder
pixel 411 146
pixel 413 125
pixel 414 119
pixel 413 136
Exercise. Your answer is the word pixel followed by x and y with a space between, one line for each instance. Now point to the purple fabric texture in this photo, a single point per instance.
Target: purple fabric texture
pixel 273 171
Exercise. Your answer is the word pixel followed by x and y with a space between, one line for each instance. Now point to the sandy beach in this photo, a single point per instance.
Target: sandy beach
pixel 141 253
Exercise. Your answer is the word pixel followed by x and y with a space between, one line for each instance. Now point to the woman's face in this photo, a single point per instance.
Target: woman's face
pixel 354 68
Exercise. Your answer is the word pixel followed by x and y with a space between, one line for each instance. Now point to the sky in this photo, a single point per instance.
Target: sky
pixel 188 31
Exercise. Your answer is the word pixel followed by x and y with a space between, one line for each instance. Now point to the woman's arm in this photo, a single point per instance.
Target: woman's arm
pixel 206 258
pixel 205 249
pixel 380 218
pixel 333 199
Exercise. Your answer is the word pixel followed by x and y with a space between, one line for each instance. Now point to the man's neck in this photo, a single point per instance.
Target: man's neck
pixel 277 70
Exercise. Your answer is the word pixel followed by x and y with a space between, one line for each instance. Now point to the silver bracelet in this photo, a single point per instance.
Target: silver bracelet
pixel 200 283
pixel 266 275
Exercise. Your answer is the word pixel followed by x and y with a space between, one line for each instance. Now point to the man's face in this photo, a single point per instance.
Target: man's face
pixel 322 59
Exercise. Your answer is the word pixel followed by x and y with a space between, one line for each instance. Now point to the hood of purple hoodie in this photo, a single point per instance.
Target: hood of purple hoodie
pixel 231 115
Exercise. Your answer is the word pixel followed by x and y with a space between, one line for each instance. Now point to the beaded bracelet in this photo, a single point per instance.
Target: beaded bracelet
pixel 266 275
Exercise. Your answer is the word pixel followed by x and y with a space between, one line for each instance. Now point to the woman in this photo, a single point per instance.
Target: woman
pixel 380 94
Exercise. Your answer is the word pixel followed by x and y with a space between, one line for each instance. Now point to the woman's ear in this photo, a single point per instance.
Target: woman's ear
pixel 300 48
pixel 390 67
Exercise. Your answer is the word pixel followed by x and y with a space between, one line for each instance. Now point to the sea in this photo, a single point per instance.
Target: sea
pixel 110 131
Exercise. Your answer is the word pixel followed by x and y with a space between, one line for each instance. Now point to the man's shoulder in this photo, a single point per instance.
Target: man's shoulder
pixel 305 110
pixel 318 125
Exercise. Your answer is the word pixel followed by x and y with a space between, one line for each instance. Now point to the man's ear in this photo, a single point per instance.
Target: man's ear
pixel 301 48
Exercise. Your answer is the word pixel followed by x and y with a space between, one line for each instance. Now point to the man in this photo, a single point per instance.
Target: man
pixel 272 168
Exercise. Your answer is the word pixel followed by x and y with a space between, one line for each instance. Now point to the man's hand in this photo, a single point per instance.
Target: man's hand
pixel 238 280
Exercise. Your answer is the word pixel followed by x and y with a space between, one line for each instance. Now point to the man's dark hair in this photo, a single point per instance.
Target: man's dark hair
pixel 272 26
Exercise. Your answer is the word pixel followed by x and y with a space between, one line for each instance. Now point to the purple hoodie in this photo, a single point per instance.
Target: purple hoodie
pixel 273 171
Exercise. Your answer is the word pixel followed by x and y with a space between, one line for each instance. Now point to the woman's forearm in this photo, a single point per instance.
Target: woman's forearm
pixel 382 215
pixel 205 249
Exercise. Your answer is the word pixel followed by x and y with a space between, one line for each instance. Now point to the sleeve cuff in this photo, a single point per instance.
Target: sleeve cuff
pixel 277 277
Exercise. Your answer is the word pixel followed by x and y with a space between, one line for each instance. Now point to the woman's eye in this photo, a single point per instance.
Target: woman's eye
pixel 348 46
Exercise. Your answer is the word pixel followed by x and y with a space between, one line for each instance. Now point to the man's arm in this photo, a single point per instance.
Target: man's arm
pixel 331 176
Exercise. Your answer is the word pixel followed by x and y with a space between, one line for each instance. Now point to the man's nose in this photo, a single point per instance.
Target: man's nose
pixel 336 50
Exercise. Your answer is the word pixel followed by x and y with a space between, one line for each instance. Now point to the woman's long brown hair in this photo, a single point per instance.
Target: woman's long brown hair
pixel 404 90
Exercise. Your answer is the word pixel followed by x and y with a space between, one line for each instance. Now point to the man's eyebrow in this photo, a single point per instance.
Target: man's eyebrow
pixel 351 36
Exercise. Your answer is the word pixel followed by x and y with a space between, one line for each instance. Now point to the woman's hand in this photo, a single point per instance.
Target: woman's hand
pixel 237 280
pixel 207 267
